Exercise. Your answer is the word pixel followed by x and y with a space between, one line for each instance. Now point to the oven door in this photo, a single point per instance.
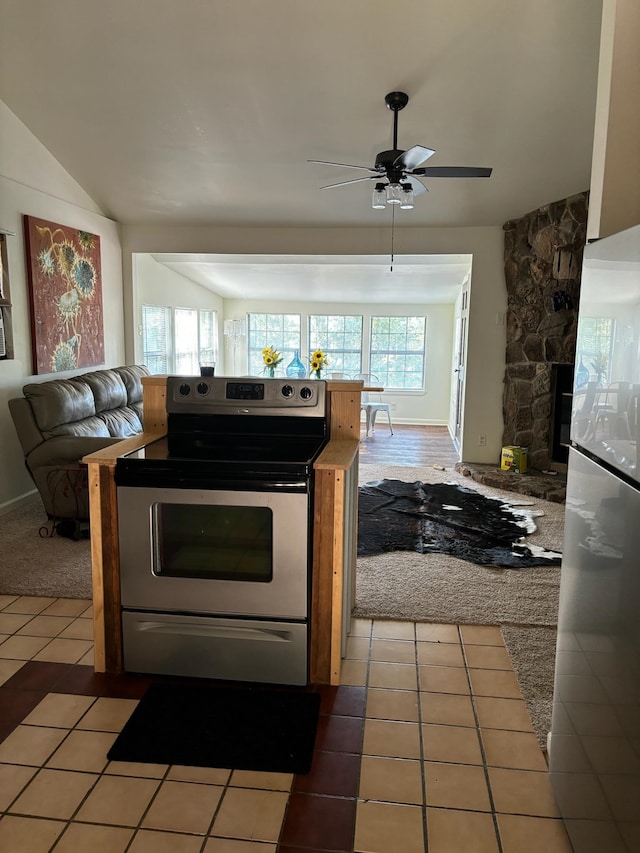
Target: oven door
pixel 236 553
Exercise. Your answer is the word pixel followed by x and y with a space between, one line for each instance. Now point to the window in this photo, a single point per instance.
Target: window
pixel 593 348
pixel 280 331
pixel 340 337
pixel 397 351
pixel 6 337
pixel 177 340
pixel 186 341
pixel 156 337
pixel 207 337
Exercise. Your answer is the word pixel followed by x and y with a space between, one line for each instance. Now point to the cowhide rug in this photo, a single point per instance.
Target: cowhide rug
pixel 447 518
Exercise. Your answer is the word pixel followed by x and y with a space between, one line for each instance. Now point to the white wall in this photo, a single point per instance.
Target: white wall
pixel 428 407
pixel 33 182
pixel 156 284
pixel 488 299
pixel 614 200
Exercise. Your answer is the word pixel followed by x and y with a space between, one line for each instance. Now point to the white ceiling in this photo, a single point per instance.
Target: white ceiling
pixel 194 112
pixel 415 279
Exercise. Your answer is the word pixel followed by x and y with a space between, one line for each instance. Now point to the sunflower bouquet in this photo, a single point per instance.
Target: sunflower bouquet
pixel 271 358
pixel 318 361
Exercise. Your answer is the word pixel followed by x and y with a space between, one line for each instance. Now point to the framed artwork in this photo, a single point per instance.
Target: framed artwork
pixel 65 296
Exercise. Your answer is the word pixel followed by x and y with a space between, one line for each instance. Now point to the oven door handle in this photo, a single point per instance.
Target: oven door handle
pixel 228 632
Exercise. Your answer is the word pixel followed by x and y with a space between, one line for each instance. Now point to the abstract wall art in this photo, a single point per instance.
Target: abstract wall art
pixel 65 296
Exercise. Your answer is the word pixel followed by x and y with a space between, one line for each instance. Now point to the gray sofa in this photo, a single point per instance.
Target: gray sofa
pixel 60 421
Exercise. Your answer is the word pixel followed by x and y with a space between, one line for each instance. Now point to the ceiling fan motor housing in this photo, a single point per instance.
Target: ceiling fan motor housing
pixel 384 165
pixel 386 159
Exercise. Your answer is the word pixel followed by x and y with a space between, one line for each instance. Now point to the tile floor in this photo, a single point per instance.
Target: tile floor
pixel 425 746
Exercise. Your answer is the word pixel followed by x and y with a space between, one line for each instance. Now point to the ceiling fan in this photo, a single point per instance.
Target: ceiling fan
pixel 401 169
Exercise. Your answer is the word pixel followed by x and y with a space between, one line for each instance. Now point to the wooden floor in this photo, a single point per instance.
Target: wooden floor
pixel 409 445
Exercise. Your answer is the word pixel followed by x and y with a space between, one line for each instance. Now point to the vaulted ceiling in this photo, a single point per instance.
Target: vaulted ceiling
pixel 206 111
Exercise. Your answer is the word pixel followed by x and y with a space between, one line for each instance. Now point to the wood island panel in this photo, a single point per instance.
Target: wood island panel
pixel 343 402
pixel 103 511
pixel 334 469
pixel 105 569
pixel 334 533
pixel 154 400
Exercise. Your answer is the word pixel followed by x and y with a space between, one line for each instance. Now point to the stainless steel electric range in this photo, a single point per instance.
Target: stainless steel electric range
pixel 215 528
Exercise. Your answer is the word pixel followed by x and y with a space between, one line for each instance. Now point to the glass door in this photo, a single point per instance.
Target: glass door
pixel 213 542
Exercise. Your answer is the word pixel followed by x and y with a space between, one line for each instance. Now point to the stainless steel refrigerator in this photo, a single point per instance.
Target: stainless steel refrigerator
pixel 594 745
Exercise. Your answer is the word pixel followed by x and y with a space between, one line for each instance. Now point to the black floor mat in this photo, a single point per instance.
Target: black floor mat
pixel 210 726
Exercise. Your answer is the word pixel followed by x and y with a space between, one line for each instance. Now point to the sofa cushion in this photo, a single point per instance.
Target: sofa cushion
pixel 85 427
pixel 61 401
pixel 109 391
pixel 131 375
pixel 122 422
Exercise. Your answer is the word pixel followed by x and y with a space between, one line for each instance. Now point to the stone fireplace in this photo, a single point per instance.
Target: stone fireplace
pixel 543 260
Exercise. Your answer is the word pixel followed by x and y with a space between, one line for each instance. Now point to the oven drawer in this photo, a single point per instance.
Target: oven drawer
pixel 207 647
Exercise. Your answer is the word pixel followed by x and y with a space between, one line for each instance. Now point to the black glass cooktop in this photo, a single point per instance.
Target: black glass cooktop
pixel 206 461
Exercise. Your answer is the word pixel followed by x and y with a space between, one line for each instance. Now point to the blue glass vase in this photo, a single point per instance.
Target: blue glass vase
pixel 582 375
pixel 295 368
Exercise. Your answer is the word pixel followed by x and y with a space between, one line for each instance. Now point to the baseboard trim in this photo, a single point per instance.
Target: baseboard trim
pixel 15 503
pixel 413 422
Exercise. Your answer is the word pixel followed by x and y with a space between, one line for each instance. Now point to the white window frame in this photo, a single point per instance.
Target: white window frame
pixel 204 349
pixel 380 359
pixel 159 361
pixel 272 333
pixel 322 340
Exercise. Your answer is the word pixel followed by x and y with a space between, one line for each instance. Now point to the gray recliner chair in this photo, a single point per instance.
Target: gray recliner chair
pixel 60 421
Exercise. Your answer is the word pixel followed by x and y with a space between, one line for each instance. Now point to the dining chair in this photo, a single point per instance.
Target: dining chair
pixel 612 410
pixel 371 402
pixel 583 417
pixel 633 414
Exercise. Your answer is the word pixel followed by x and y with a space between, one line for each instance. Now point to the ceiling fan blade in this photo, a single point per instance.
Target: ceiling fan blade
pixel 343 165
pixel 452 172
pixel 413 157
pixel 417 186
pixel 354 181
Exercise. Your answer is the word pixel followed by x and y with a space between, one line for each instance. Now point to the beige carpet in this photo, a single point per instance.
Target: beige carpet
pixel 439 588
pixel 31 565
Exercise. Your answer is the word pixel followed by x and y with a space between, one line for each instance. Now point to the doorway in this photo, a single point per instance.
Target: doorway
pixel 459 358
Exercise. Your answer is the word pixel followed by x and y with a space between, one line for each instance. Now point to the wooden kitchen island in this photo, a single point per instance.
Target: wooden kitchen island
pixel 334 530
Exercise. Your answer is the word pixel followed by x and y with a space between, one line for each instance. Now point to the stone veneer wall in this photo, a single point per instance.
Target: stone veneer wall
pixel 537 335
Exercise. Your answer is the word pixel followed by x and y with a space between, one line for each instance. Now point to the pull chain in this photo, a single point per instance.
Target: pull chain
pixel 393 223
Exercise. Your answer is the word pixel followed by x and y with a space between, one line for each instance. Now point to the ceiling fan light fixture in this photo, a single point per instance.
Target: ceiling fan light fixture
pixel 394 193
pixel 406 203
pixel 379 197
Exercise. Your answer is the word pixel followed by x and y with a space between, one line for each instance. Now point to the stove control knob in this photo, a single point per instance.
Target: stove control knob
pixel 287 391
pixel 184 389
pixel 202 388
pixel 306 393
